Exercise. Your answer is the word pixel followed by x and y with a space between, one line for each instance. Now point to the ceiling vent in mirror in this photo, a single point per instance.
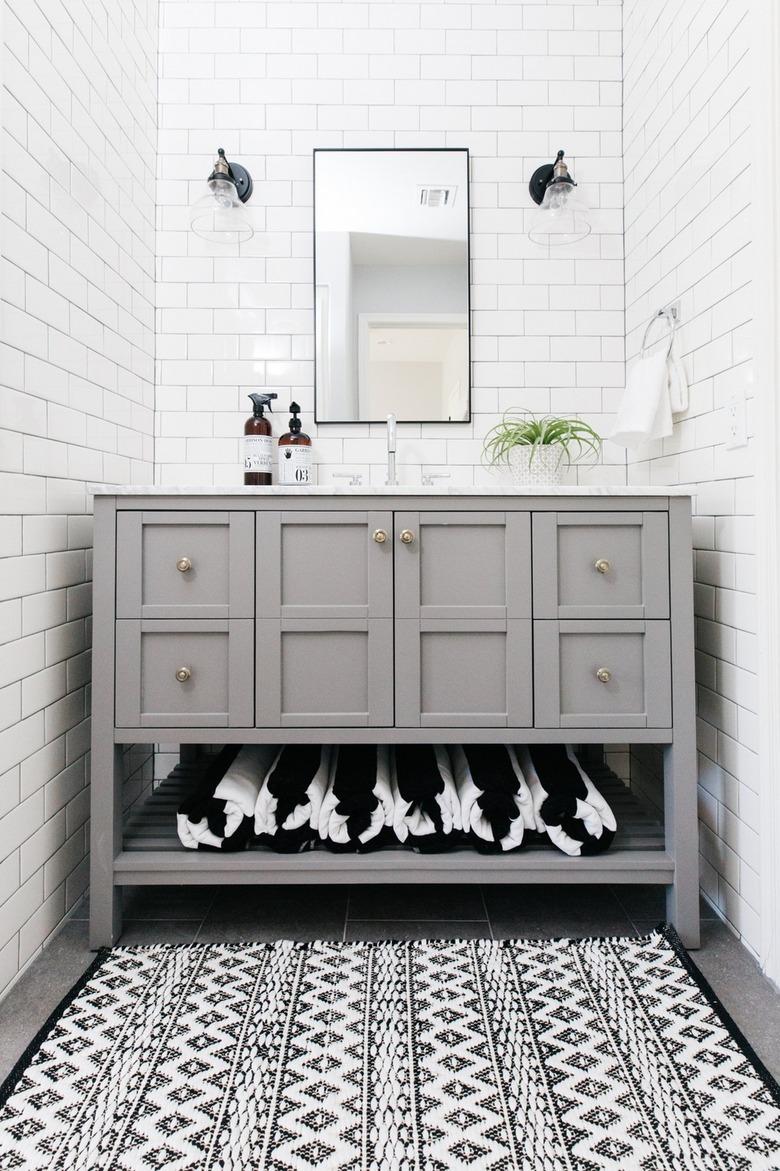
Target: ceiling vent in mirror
pixel 436 196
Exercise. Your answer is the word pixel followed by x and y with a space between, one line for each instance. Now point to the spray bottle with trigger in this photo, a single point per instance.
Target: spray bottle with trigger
pixel 258 442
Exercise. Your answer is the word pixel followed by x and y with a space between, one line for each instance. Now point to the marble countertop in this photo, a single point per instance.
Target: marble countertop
pixel 569 490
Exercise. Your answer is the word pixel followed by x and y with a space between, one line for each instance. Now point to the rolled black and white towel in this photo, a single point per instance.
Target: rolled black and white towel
pixel 567 805
pixel 426 811
pixel 495 802
pixel 357 811
pixel 287 809
pixel 220 814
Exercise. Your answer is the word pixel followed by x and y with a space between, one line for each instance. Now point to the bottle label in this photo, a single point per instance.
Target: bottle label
pixel 295 465
pixel 258 453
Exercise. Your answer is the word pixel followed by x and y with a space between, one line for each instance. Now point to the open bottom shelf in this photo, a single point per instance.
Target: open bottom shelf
pixel 152 852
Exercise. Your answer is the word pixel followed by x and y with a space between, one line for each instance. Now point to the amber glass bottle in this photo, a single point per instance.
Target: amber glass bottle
pixel 258 442
pixel 295 452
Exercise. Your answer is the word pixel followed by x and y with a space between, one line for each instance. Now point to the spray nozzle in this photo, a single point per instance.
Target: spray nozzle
pixel 260 402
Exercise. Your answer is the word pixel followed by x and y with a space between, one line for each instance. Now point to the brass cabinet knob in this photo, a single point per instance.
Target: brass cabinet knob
pixel 183 564
pixel 407 536
pixel 603 675
pixel 602 565
pixel 380 536
pixel 183 674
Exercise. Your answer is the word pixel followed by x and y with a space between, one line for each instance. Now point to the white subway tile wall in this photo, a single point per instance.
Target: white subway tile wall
pixel 513 82
pixel 688 236
pixel 76 404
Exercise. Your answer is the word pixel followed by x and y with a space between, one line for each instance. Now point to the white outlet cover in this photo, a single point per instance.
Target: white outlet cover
pixel 736 421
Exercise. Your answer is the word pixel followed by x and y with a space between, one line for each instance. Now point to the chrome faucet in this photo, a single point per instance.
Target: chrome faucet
pixel 392 480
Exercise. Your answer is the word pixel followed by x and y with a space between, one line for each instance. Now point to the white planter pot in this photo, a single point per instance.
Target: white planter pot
pixel 543 465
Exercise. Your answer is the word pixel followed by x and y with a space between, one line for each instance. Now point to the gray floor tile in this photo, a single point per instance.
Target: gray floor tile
pixel 642 902
pixel 140 932
pixel 562 927
pixel 167 902
pixel 260 930
pixel 34 998
pixel 373 929
pixel 416 902
pixel 158 902
pixel 276 913
pixel 647 901
pixel 551 903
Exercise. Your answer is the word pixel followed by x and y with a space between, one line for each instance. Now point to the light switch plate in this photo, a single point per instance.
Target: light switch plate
pixel 736 421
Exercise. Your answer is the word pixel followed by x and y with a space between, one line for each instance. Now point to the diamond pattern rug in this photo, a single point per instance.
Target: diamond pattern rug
pixel 565 1055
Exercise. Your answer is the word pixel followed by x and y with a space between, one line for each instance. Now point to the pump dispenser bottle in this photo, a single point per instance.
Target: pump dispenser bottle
pixel 258 442
pixel 295 452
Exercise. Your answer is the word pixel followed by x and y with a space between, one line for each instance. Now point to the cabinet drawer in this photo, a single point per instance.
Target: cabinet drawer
pixel 185 565
pixel 601 565
pixel 184 674
pixel 613 674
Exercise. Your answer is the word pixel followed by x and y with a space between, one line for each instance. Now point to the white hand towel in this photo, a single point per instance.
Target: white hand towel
pixel 592 810
pixel 307 811
pixel 334 826
pixel 472 817
pixel 238 789
pixel 409 819
pixel 679 397
pixel 645 411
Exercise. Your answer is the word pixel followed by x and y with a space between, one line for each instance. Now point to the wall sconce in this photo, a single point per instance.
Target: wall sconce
pixel 219 215
pixel 562 217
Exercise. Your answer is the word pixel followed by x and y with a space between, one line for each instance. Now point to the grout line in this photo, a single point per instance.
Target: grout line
pixel 487 913
pixel 443 921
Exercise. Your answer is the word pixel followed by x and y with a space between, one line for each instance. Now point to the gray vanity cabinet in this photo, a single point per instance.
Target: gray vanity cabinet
pixel 462 619
pixel 390 617
pixel 324 619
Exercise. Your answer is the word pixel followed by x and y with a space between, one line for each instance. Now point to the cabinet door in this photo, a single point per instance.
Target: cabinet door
pixel 324 625
pixel 463 631
pixel 602 674
pixel 601 565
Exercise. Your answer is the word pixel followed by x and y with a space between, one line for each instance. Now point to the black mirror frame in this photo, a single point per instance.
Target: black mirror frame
pixel 392 150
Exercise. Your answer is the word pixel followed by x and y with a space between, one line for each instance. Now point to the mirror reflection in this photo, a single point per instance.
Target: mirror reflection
pixel 391 261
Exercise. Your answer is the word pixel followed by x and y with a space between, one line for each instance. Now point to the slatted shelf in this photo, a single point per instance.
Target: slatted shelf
pixel 152 852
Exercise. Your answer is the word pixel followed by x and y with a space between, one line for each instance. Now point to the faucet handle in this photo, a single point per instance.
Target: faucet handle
pixel 429 478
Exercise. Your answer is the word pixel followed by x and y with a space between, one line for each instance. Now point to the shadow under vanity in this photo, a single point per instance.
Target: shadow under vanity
pixel 392 617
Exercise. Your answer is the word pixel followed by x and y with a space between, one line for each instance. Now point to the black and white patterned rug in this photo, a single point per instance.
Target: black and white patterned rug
pixel 428 1056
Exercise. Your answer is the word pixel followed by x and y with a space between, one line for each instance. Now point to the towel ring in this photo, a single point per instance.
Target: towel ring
pixel 665 315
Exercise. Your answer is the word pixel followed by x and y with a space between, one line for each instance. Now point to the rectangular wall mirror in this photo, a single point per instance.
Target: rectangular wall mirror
pixel 391 286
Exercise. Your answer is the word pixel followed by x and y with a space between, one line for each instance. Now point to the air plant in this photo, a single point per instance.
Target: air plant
pixel 576 438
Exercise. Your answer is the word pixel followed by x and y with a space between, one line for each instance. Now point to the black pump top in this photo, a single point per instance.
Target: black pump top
pixel 295 422
pixel 259 402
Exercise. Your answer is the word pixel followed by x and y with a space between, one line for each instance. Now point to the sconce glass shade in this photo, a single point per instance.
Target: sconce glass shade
pixel 562 217
pixel 219 215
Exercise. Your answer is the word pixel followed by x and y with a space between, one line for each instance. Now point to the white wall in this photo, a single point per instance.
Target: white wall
pixel 688 233
pixel 513 82
pixel 76 404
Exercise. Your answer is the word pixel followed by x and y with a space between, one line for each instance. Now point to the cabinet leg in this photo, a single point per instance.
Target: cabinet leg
pixel 105 899
pixel 682 836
